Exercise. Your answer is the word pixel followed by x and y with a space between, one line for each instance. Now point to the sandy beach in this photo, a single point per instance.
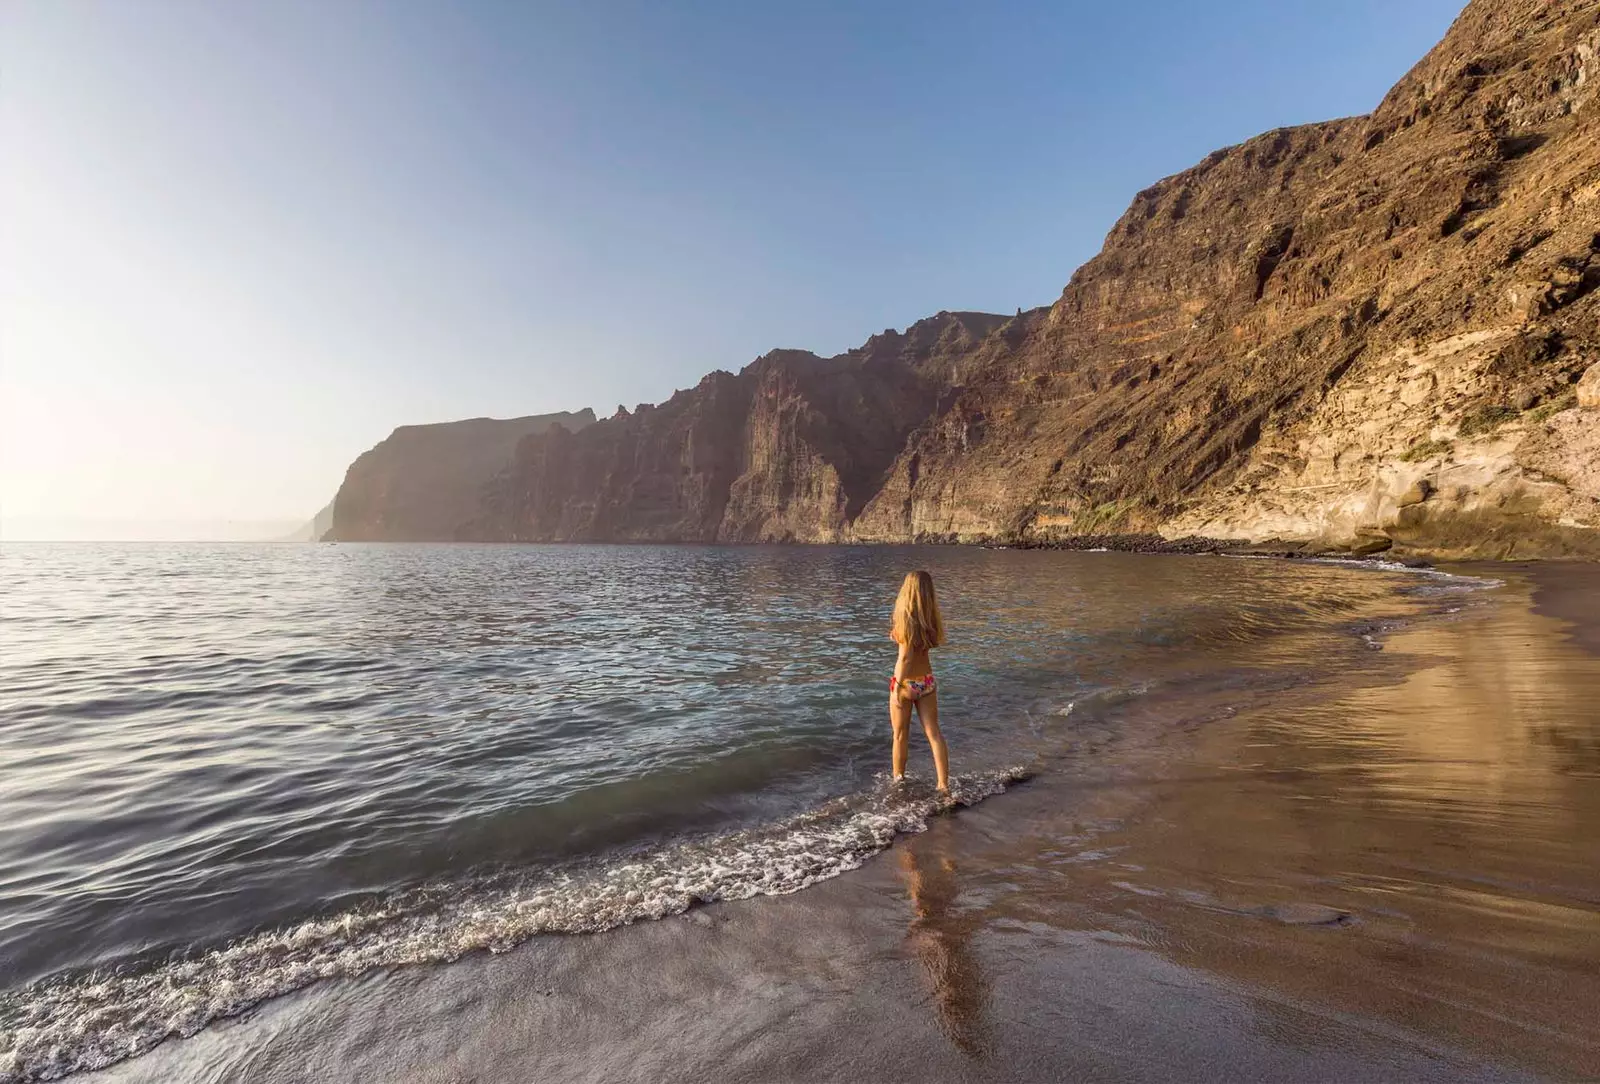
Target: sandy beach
pixel 1392 875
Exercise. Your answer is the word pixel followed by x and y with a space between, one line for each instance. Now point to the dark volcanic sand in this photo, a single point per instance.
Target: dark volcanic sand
pixel 1572 593
pixel 1396 878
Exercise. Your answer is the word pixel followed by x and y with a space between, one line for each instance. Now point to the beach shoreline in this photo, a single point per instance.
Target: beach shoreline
pixel 1252 902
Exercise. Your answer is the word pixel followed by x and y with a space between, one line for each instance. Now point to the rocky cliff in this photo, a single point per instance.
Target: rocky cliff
pixel 1358 334
pixel 423 483
pixel 791 448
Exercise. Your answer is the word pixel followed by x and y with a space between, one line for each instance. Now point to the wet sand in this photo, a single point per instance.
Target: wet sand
pixel 1392 877
pixel 1572 594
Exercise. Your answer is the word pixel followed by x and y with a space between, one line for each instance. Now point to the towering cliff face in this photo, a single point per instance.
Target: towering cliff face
pixel 789 449
pixel 424 482
pixel 1360 333
pixel 1355 332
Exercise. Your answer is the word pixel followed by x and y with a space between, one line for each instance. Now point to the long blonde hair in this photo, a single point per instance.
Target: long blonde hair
pixel 917 621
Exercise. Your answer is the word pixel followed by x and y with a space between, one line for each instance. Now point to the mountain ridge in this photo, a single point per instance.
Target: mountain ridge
pixel 1355 334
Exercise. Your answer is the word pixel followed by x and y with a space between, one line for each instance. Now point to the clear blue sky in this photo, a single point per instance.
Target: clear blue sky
pixel 244 240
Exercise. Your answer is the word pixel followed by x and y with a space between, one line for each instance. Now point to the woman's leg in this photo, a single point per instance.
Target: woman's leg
pixel 900 721
pixel 928 712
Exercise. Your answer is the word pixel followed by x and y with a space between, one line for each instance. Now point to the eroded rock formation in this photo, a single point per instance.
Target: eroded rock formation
pixel 1355 334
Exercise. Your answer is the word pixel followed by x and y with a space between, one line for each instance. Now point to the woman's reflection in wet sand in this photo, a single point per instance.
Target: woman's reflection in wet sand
pixel 941 937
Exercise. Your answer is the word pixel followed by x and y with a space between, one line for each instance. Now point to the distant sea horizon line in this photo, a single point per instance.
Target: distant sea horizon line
pixel 113 529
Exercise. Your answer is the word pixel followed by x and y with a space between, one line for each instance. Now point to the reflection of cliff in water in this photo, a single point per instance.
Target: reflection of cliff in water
pixel 941 936
pixel 1498 725
pixel 1423 850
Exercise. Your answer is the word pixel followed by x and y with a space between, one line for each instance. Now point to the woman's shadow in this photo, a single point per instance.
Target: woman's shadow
pixel 941 937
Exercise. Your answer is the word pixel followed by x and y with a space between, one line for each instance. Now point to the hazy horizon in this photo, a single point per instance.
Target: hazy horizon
pixel 246 242
pixel 69 529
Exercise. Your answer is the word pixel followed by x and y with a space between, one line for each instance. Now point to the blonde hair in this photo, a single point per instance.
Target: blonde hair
pixel 917 622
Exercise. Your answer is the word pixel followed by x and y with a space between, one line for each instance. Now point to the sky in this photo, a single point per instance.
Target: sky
pixel 242 241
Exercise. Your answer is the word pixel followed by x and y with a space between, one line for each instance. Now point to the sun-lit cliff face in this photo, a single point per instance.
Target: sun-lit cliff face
pixel 1364 333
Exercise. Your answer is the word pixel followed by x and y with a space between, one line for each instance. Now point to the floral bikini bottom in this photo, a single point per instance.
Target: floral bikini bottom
pixel 916 688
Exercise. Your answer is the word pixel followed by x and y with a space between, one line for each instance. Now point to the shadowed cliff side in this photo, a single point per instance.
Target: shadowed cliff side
pixel 791 448
pixel 424 482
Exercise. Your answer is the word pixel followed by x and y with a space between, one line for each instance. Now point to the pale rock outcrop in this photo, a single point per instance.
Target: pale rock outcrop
pixel 1589 388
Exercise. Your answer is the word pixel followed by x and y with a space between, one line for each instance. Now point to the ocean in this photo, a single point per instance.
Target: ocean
pixel 228 772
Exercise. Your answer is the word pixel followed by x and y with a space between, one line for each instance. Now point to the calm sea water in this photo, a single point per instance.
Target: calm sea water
pixel 229 771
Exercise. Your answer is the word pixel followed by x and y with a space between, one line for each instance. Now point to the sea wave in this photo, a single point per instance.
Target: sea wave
pixel 1379 565
pixel 91 1020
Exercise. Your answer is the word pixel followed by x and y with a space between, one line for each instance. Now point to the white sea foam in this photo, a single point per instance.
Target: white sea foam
pixel 1379 565
pixel 1370 564
pixel 89 1021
